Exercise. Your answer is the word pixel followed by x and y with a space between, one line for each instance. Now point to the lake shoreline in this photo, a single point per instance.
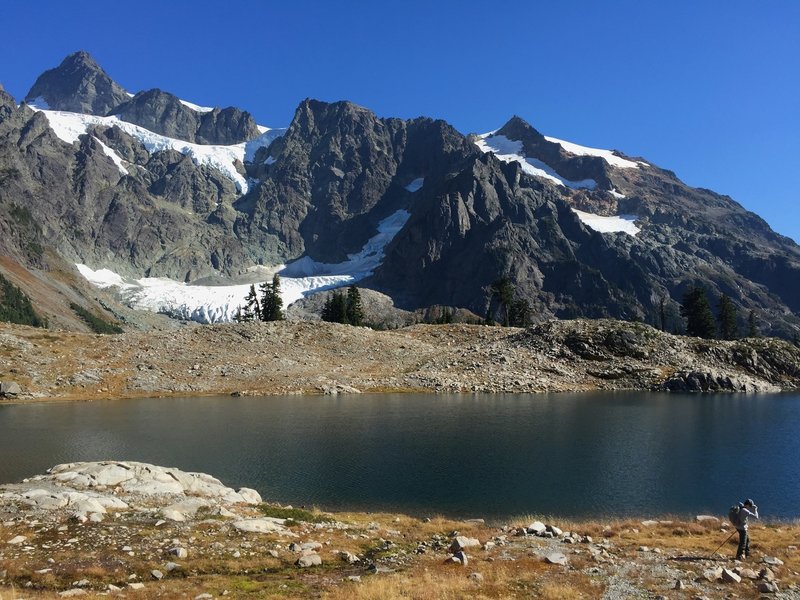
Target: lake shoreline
pixel 147 536
pixel 300 357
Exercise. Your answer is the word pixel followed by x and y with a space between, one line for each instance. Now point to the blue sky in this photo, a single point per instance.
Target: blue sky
pixel 710 90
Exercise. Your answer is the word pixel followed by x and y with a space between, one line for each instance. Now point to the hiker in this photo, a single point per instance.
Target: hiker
pixel 739 518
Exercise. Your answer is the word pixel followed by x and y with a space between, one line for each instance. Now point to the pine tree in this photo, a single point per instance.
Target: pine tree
pixel 335 309
pixel 239 315
pixel 697 312
pixel 752 328
pixel 726 319
pixel 354 310
pixel 503 290
pixel 252 310
pixel 520 313
pixel 271 301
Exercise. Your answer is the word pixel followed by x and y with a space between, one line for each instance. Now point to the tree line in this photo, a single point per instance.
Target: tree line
pixel 701 321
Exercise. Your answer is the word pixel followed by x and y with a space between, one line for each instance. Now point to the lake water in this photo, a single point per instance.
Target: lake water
pixel 461 455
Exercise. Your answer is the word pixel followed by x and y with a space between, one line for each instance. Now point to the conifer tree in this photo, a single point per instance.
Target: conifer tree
pixel 520 313
pixel 726 319
pixel 271 302
pixel 354 310
pixel 252 310
pixel 697 312
pixel 335 308
pixel 503 290
pixel 752 328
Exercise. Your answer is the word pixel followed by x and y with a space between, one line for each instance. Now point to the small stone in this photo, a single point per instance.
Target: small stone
pixel 452 560
pixel 113 588
pixel 156 574
pixel 171 566
pixel 179 552
pixel 136 586
pixel 706 519
pixel 237 554
pixel 126 548
pixel 649 523
pixel 477 577
pixel 536 528
pixel 766 574
pixel 679 585
pixel 72 593
pixel 772 561
pixel 556 558
pixel 349 557
pixel 273 553
pixel 17 540
pixel 730 576
pixel 160 522
pixel 768 587
pixel 82 583
pixel 309 560
pixel 205 596
pixel 354 578
pixel 461 542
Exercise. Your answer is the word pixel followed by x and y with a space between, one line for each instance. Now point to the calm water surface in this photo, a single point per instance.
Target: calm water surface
pixel 483 456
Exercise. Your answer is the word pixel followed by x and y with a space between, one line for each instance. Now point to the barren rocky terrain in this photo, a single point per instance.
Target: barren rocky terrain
pixel 315 357
pixel 143 531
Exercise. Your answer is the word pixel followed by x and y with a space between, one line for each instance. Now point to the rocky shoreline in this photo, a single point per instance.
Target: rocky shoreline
pixel 301 357
pixel 125 528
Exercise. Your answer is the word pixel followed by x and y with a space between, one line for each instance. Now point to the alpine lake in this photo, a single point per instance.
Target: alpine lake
pixel 475 456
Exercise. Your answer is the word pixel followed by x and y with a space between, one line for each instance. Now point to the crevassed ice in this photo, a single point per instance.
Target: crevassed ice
pixel 213 304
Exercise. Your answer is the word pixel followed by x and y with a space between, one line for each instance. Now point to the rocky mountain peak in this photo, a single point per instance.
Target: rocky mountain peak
pixel 166 114
pixel 78 84
pixel 518 128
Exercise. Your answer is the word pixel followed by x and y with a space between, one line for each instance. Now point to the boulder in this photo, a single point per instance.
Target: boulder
pixel 768 587
pixel 263 525
pixel 461 542
pixel 9 389
pixel 309 560
pixel 730 576
pixel 536 528
pixel 556 558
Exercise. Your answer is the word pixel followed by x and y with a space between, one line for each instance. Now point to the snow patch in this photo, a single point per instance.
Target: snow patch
pixel 619 223
pixel 116 158
pixel 214 304
pixel 511 151
pixel 70 126
pixel 195 107
pixel 607 155
pixel 616 194
pixel 416 185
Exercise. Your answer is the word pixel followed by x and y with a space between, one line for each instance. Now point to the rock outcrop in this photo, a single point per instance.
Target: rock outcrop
pixel 80 85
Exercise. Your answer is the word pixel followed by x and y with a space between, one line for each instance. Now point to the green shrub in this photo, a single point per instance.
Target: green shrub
pixel 96 324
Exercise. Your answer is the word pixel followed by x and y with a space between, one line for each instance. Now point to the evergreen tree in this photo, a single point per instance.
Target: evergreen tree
pixel 520 313
pixel 697 312
pixel 252 310
pixel 503 290
pixel 16 307
pixel 752 328
pixel 355 310
pixel 726 319
pixel 335 308
pixel 271 302
pixel 239 315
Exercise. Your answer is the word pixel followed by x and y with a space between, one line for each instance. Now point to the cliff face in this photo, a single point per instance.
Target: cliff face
pixel 155 200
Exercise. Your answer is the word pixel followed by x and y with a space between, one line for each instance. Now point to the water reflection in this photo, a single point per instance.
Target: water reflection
pixel 579 454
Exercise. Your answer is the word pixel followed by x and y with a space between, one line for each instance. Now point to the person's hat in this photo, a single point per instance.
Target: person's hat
pixel 749 502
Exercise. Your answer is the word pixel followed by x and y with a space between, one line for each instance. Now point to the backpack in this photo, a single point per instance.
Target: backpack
pixel 733 515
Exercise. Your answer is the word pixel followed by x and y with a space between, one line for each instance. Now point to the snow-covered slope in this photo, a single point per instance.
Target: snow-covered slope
pixel 214 304
pixel 511 151
pixel 607 155
pixel 623 223
pixel 69 126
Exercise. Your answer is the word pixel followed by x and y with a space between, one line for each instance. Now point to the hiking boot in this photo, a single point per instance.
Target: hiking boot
pixel 738 557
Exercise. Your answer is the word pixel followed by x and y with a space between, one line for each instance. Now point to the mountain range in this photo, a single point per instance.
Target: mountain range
pixel 182 206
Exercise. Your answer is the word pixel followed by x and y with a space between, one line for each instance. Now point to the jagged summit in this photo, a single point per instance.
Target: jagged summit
pixel 166 114
pixel 78 84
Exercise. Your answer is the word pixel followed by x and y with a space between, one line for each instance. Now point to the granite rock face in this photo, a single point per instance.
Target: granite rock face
pixel 80 85
pixel 164 113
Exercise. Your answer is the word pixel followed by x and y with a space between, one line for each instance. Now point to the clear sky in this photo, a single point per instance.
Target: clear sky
pixel 710 90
